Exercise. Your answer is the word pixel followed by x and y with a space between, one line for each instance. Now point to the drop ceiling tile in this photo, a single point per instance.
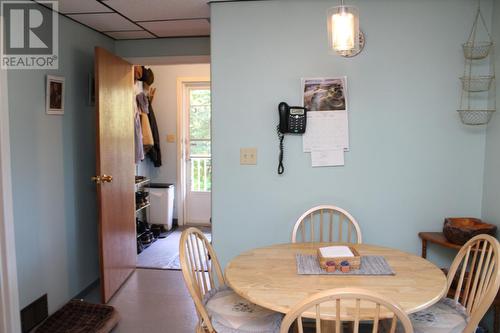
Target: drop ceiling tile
pixel 81 6
pixel 130 34
pixel 178 28
pixel 148 10
pixel 105 22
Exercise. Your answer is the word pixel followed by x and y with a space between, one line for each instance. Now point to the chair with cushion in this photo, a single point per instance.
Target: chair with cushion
pixel 219 309
pixel 346 304
pixel 326 223
pixel 473 281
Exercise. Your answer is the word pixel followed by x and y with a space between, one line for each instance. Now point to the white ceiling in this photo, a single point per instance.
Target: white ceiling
pixel 135 19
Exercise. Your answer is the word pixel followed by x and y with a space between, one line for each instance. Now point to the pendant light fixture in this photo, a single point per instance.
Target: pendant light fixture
pixel 344 36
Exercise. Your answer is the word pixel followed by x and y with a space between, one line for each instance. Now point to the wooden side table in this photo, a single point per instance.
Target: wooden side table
pixel 439 239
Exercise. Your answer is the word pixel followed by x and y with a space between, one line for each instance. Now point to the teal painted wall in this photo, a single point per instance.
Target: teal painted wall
pixel 491 208
pixel 411 162
pixel 163 47
pixel 53 158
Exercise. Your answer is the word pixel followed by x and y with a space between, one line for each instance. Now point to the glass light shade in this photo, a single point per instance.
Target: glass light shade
pixel 343 29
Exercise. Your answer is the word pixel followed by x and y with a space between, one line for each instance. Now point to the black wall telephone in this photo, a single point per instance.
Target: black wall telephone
pixel 293 120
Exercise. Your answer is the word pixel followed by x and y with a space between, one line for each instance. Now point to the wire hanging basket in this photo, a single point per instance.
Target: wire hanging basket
pixel 477 83
pixel 476 117
pixel 471 113
pixel 477 50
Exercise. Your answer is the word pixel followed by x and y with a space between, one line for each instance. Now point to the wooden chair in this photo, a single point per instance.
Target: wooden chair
pixel 213 300
pixel 326 223
pixel 477 266
pixel 201 270
pixel 346 302
pixel 473 282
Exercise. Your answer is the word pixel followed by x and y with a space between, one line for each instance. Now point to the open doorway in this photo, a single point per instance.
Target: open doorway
pixel 196 159
pixel 178 191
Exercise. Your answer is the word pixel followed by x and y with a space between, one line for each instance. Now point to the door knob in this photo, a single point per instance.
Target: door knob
pixel 106 179
pixel 102 179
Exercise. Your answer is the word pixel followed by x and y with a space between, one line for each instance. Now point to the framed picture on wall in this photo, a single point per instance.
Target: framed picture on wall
pixel 55 95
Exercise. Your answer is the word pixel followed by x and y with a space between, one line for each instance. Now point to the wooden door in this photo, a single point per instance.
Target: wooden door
pixel 115 170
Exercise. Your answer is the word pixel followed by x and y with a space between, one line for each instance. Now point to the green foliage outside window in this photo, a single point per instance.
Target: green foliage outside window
pixel 200 136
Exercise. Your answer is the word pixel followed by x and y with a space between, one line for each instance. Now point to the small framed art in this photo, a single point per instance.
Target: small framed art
pixel 55 95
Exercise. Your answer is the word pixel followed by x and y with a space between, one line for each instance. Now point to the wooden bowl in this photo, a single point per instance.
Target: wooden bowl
pixel 458 230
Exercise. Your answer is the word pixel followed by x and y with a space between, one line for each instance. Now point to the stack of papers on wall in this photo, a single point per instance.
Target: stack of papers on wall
pixel 326 137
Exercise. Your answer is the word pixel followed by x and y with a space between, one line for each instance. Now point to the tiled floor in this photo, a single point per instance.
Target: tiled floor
pixel 153 301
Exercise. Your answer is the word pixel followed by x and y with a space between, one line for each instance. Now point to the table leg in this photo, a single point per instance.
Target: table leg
pixel 424 248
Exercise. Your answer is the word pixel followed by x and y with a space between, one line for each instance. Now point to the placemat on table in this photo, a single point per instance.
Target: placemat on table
pixel 370 265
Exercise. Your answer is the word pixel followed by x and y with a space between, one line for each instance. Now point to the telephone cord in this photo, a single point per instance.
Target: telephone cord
pixel 281 137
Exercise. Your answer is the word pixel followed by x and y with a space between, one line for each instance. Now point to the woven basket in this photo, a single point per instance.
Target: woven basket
pixel 477 83
pixel 475 117
pixel 479 50
pixel 354 262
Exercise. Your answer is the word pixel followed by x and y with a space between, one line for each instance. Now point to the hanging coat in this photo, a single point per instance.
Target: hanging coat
pixel 147 135
pixel 138 147
pixel 154 154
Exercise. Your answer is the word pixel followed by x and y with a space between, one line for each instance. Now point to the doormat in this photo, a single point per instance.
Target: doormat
pixel 81 317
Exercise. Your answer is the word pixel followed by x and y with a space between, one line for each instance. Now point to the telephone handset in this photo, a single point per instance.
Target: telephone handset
pixel 293 120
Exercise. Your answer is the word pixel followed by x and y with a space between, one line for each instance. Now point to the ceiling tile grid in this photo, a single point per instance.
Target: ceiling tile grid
pixel 196 27
pixel 132 19
pixel 140 34
pixel 81 6
pixel 151 10
pixel 105 22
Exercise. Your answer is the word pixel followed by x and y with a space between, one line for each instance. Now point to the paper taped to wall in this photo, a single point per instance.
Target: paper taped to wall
pixel 322 158
pixel 326 130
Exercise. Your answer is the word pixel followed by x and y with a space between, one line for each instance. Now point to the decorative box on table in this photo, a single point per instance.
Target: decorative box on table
pixel 338 254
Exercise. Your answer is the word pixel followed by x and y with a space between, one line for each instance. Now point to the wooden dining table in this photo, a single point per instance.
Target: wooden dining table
pixel 268 277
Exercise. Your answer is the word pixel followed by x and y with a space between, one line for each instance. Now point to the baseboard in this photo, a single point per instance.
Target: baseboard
pixel 83 294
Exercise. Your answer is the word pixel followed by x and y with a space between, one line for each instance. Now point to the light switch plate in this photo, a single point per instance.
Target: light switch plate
pixel 170 138
pixel 248 156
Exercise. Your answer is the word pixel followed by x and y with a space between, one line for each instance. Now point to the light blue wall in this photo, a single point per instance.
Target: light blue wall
pixel 411 162
pixel 53 158
pixel 491 208
pixel 163 47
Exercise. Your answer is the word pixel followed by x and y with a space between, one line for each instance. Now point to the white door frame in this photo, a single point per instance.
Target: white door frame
pixel 9 298
pixel 181 144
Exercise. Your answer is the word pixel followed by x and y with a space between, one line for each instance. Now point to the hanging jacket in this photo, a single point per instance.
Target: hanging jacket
pixel 154 153
pixel 147 135
pixel 139 148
